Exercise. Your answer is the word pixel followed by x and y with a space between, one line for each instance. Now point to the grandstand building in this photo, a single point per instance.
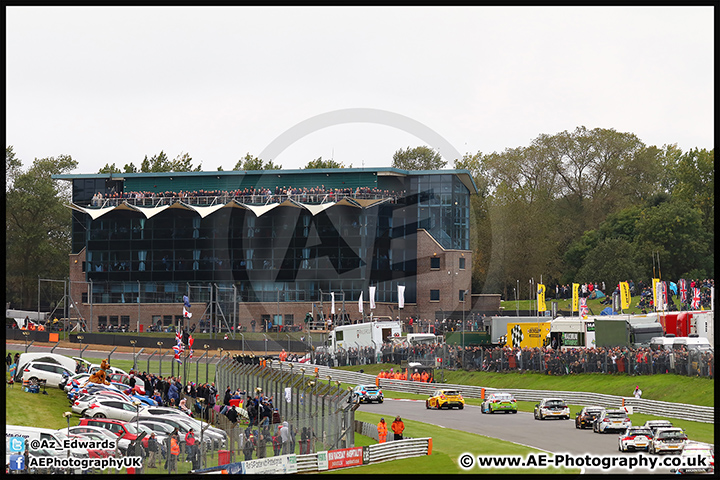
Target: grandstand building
pixel 269 246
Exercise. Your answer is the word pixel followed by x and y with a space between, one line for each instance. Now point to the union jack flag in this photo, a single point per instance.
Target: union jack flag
pixel 696 299
pixel 178 349
pixel 583 307
pixel 682 283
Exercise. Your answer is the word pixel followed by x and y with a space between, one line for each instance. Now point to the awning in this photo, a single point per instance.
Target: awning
pixel 206 210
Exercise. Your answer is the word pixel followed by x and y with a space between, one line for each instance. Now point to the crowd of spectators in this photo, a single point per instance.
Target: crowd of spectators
pixel 631 361
pixel 320 194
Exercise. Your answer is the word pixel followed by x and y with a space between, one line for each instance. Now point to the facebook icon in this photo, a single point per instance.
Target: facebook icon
pixel 17 462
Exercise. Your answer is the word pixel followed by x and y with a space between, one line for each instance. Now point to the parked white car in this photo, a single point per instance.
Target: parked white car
pixel 51 372
pixel 122 443
pixel 111 408
pixel 76 380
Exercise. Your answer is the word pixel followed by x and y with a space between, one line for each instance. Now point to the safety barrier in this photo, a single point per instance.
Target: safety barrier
pixel 682 411
pixel 330 460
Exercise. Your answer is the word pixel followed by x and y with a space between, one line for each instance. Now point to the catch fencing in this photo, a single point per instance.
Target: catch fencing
pixel 682 411
pixel 316 408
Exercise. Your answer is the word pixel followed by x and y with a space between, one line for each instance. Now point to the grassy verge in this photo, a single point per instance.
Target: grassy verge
pixel 668 388
pixel 447 446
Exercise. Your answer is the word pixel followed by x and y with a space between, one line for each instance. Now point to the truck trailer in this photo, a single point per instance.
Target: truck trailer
pixel 528 334
pixel 629 332
pixel 359 335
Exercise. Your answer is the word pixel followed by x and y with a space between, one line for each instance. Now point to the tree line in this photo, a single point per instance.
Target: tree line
pixel 581 206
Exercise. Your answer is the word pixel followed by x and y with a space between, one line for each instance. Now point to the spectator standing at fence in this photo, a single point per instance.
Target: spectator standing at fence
pixel 398 427
pixel 174 453
pixel 152 449
pixel 285 438
pixel 382 431
pixel 248 445
pixel 190 446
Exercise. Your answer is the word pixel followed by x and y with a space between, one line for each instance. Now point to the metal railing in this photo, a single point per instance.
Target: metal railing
pixel 682 411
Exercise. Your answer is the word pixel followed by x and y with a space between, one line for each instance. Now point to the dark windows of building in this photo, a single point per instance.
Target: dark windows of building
pixel 461 263
pixel 102 322
pixel 435 263
pixel 434 295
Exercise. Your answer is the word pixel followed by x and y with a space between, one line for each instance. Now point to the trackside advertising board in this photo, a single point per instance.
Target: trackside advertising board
pixel 268 465
pixel 345 457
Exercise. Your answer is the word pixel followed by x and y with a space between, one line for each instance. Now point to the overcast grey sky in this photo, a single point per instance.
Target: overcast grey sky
pixel 114 84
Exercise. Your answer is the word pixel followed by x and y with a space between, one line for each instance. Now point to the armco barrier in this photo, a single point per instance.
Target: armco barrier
pixel 682 411
pixel 380 452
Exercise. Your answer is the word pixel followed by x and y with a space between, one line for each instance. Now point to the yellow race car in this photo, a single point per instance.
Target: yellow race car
pixel 445 399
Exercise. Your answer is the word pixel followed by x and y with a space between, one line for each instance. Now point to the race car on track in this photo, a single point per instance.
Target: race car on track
pixel 635 438
pixel 586 417
pixel 607 420
pixel 499 402
pixel 367 394
pixel 668 440
pixel 551 408
pixel 697 451
pixel 445 398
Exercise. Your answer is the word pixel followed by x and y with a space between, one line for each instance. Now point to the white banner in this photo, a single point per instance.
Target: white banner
pixel 372 298
pixel 401 296
pixel 288 394
pixel 332 304
pixel 360 303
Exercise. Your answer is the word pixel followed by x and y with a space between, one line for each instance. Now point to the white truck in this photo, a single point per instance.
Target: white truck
pixel 370 334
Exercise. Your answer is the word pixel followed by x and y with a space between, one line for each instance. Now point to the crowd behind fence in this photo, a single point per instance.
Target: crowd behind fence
pixel 615 360
pixel 257 196
pixel 315 410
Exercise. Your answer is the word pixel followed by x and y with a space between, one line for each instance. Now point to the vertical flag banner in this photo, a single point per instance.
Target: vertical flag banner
pixel 696 299
pixel 575 296
pixel 178 349
pixel 360 303
pixel 655 282
pixel 372 298
pixel 401 296
pixel 332 303
pixel 624 295
pixel 191 340
pixel 712 298
pixel 682 284
pixel 541 298
pixel 186 306
pixel 583 307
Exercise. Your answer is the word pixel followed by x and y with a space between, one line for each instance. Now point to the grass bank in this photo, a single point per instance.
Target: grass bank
pixel 668 388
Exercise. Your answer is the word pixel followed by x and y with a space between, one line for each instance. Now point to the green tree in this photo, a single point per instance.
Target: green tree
pixel 250 162
pixel 674 229
pixel 37 224
pixel 418 158
pixel 320 163
pixel 13 167
pixel 693 181
pixel 109 169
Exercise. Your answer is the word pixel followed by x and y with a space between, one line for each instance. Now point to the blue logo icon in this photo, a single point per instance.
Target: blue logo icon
pixel 17 462
pixel 16 444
